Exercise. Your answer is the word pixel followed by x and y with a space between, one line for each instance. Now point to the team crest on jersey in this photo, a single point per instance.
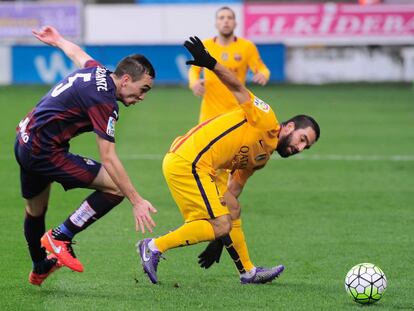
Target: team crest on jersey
pixel 110 128
pixel 261 105
pixel 237 57
pixel 224 56
pixel 261 157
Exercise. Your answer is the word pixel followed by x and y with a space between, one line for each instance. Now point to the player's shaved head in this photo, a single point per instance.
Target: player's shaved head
pixel 135 66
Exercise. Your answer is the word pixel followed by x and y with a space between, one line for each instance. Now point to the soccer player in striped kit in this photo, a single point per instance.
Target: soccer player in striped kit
pixel 85 101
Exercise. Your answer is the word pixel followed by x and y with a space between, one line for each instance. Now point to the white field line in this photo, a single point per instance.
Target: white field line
pixel 300 157
pixel 313 157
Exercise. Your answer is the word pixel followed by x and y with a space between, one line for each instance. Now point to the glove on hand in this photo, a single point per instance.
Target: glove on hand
pixel 201 57
pixel 211 254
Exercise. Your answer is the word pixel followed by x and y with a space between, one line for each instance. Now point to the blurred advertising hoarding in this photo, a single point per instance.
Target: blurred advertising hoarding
pixel 17 19
pixel 330 23
pixel 47 65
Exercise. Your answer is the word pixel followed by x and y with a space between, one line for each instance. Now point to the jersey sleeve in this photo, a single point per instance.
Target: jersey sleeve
pixel 255 62
pixel 259 114
pixel 103 118
pixel 92 63
pixel 242 175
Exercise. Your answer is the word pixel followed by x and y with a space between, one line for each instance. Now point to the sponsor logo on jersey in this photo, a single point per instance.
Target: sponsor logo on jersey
pixel 22 129
pixel 261 105
pixel 241 159
pixel 237 57
pixel 224 56
pixel 110 128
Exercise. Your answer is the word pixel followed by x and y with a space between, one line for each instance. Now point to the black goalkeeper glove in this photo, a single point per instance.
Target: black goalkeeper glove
pixel 211 254
pixel 201 57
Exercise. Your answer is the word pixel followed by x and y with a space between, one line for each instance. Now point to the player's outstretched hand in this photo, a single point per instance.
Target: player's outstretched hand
pixel 48 35
pixel 142 216
pixel 211 254
pixel 201 57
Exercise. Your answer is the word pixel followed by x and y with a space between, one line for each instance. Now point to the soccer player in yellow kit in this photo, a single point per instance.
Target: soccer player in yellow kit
pixel 241 141
pixel 239 55
pixel 235 53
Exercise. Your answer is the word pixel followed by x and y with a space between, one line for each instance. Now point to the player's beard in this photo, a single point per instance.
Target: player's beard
pixel 282 146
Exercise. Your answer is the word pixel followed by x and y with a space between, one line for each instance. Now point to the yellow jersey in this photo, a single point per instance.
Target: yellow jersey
pixel 238 56
pixel 240 141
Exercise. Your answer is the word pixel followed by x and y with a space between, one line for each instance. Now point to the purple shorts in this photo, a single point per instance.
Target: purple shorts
pixel 38 171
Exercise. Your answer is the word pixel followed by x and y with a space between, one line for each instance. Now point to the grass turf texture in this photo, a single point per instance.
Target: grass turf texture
pixel 319 213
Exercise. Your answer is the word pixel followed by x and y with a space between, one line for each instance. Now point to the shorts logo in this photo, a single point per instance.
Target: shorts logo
pixel 110 128
pixel 89 161
pixel 261 105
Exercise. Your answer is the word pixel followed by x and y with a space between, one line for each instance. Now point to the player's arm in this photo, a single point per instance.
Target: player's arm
pixel 118 174
pixel 261 72
pixel 195 83
pixel 51 36
pixel 203 59
pixel 234 189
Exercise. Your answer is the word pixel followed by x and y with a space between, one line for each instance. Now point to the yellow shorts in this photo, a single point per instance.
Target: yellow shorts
pixel 195 193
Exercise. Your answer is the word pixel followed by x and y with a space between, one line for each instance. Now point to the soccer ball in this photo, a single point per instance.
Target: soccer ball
pixel 365 283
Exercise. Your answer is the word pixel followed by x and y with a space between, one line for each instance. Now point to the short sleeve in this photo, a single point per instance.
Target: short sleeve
pixel 255 62
pixel 92 63
pixel 103 118
pixel 259 114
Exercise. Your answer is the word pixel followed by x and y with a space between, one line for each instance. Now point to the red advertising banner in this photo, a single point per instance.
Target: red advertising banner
pixel 348 24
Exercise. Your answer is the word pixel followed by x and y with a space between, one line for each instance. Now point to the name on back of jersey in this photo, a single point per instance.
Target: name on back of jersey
pixel 100 77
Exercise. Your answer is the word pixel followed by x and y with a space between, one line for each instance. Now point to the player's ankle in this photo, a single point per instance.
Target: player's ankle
pixel 152 246
pixel 248 274
pixel 58 234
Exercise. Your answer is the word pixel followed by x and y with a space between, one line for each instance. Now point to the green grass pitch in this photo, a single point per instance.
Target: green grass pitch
pixel 347 200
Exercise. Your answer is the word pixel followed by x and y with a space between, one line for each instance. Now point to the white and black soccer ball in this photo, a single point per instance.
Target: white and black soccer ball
pixel 365 283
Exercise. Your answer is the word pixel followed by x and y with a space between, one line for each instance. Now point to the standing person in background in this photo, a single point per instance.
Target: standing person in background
pixel 238 55
pixel 85 101
pixel 234 53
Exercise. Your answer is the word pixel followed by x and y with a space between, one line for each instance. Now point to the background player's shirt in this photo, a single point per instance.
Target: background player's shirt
pixel 84 101
pixel 240 141
pixel 239 56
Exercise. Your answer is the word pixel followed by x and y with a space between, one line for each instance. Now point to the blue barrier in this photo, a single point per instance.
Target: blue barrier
pixel 43 64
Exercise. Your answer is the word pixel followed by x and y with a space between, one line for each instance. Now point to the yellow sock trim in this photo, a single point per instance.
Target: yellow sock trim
pixel 239 244
pixel 188 234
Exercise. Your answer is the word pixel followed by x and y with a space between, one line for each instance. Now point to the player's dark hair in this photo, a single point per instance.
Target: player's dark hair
pixel 134 65
pixel 226 8
pixel 303 121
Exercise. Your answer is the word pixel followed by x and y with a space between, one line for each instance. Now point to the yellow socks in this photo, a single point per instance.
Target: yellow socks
pixel 190 233
pixel 240 246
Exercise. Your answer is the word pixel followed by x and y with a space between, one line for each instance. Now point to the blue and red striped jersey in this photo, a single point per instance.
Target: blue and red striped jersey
pixel 84 101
